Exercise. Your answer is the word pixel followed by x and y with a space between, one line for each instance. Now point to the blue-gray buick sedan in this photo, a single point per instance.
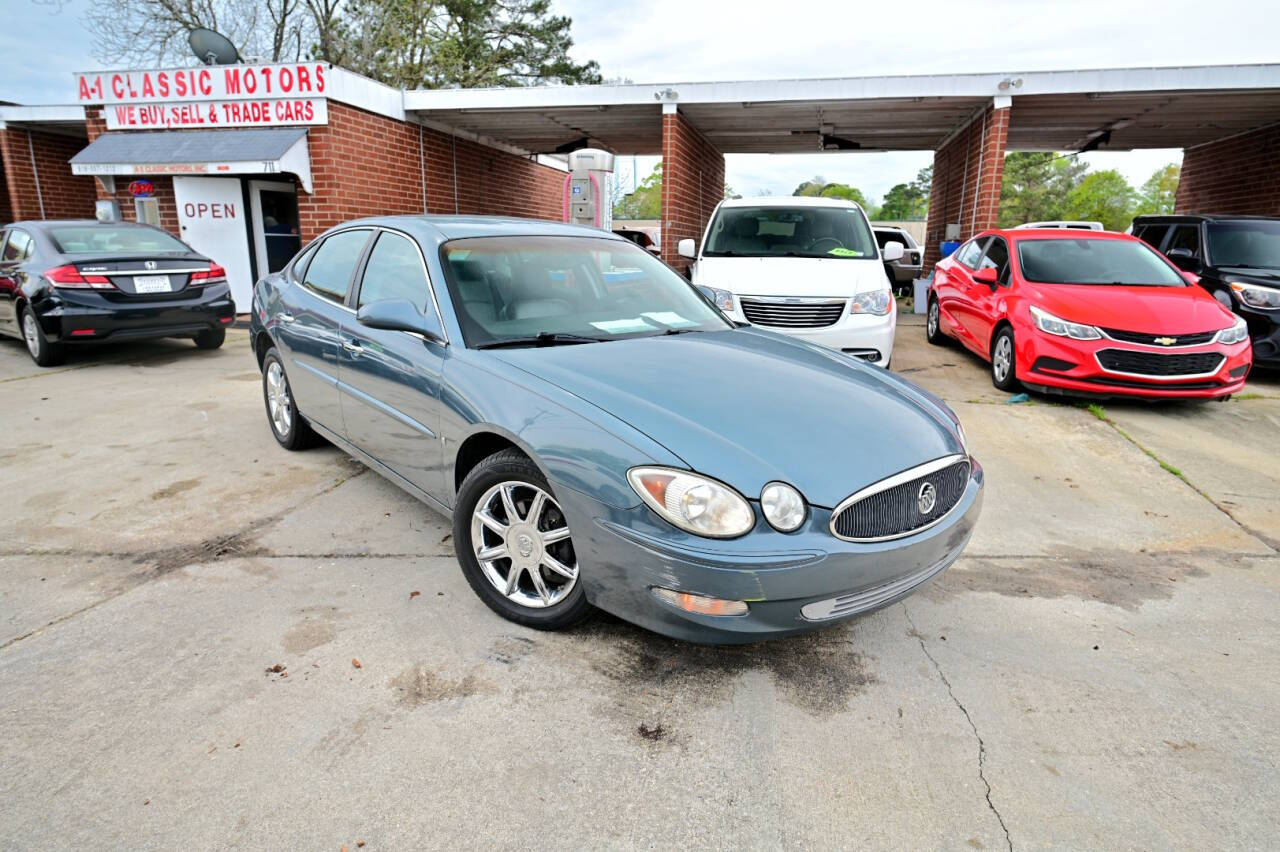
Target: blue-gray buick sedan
pixel 603 436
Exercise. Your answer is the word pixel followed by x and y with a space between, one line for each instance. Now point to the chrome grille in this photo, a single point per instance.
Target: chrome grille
pixel 894 507
pixel 810 313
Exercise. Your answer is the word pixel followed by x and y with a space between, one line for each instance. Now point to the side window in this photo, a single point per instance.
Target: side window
pixel 18 247
pixel 997 257
pixel 1151 234
pixel 300 265
pixel 394 271
pixel 329 271
pixel 1185 237
pixel 969 253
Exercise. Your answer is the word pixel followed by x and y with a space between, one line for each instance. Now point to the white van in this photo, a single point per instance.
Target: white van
pixel 808 267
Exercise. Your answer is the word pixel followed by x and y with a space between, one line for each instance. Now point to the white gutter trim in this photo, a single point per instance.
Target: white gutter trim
pixel 1188 78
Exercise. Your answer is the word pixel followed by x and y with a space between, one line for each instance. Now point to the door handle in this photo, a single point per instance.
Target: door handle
pixel 285 317
pixel 353 347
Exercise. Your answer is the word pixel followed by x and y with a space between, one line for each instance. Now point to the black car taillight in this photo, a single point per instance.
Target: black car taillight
pixel 215 274
pixel 69 278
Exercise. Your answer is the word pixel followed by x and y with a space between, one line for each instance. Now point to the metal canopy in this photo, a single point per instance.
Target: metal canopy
pixel 1051 110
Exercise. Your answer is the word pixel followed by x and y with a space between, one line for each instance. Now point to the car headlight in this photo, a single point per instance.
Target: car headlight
pixel 783 506
pixel 722 299
pixel 1050 324
pixel 696 504
pixel 876 302
pixel 964 440
pixel 1238 332
pixel 1256 296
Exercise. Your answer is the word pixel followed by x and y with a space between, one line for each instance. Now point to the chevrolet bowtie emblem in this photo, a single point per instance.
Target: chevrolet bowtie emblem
pixel 1166 341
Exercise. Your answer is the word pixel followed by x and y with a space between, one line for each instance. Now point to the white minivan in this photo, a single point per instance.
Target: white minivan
pixel 808 267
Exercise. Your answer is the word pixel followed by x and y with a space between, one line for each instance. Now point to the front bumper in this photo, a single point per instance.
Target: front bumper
pixel 1264 331
pixel 905 273
pixel 1056 364
pixel 626 553
pixel 62 313
pixel 862 335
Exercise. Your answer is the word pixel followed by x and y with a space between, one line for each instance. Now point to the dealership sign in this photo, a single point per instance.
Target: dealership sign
pixel 209 97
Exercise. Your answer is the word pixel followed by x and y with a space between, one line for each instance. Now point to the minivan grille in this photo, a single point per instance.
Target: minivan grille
pixel 1159 364
pixel 897 510
pixel 818 313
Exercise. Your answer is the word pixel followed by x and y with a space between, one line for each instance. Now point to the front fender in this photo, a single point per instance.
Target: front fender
pixel 575 444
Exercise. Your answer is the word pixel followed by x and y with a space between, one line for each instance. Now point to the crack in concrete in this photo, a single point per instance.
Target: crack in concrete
pixel 982 746
pixel 166 561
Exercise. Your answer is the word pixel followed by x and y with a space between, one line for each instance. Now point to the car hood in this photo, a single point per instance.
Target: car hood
pixel 1154 310
pixel 748 406
pixel 1268 277
pixel 791 276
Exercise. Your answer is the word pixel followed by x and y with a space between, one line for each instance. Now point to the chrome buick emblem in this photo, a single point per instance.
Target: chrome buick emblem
pixel 927 498
pixel 525 545
pixel 149 264
pixel 1166 341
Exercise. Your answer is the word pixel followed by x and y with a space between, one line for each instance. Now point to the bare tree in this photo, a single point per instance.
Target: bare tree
pixel 144 32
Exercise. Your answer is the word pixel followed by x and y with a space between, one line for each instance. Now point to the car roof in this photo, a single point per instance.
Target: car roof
pixel 39 224
pixel 788 201
pixel 1056 234
pixel 1171 218
pixel 441 228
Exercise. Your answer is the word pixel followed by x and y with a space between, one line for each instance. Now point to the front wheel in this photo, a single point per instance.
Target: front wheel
pixel 42 351
pixel 1004 373
pixel 515 546
pixel 932 324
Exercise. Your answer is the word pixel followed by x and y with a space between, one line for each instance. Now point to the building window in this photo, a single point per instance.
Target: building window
pixel 147 211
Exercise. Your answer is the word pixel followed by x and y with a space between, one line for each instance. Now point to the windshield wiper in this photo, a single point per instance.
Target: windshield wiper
pixel 679 331
pixel 543 338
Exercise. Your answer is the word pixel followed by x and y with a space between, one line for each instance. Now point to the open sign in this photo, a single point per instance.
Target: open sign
pixel 142 188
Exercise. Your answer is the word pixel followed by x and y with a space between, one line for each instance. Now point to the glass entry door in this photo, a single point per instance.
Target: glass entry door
pixel 276 238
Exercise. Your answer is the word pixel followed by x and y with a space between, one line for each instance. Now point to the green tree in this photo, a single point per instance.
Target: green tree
pixel 1104 197
pixel 818 187
pixel 645 202
pixel 1036 186
pixel 1157 195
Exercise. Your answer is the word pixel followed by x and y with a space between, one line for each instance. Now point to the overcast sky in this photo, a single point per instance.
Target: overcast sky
pixel 672 41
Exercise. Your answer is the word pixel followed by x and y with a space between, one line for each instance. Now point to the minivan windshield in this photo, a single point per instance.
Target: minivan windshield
pixel 114 239
pixel 832 232
pixel 1091 261
pixel 544 290
pixel 1249 244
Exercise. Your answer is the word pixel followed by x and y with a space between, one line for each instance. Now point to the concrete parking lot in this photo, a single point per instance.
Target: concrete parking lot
pixel 206 642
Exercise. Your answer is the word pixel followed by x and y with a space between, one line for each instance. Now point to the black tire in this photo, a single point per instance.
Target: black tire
pixel 290 429
pixel 499 469
pixel 211 338
pixel 39 347
pixel 1004 362
pixel 933 324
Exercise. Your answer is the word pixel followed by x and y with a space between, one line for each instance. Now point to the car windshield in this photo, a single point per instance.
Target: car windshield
pixel 107 239
pixel 835 232
pixel 517 288
pixel 1091 261
pixel 1247 244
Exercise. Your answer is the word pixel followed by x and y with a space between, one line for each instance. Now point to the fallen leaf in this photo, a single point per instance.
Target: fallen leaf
pixel 147 802
pixel 276 669
pixel 413 595
pixel 359 844
pixel 356 663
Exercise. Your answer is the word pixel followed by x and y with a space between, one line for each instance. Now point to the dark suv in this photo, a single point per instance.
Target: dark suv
pixel 1238 261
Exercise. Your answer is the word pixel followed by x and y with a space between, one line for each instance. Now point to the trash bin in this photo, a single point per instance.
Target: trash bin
pixel 948 247
pixel 921 301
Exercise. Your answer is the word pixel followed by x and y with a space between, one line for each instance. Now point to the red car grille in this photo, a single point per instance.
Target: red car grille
pixel 1159 339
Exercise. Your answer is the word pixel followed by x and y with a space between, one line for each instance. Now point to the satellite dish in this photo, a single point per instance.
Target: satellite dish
pixel 212 48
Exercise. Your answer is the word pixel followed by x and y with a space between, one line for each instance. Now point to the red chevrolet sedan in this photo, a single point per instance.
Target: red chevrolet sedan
pixel 1086 312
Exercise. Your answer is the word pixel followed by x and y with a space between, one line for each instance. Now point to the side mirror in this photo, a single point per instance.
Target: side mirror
pixel 987 275
pixel 893 250
pixel 400 315
pixel 1184 259
pixel 687 248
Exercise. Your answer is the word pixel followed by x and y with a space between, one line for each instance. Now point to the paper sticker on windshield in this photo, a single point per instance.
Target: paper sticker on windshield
pixel 623 326
pixel 670 319
pixel 844 252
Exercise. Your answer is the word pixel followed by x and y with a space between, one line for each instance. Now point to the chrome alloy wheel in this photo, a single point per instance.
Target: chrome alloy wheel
pixel 522 543
pixel 30 333
pixel 932 318
pixel 1002 358
pixel 279 403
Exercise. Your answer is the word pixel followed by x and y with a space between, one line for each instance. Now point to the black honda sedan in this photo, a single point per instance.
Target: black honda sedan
pixel 83 281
